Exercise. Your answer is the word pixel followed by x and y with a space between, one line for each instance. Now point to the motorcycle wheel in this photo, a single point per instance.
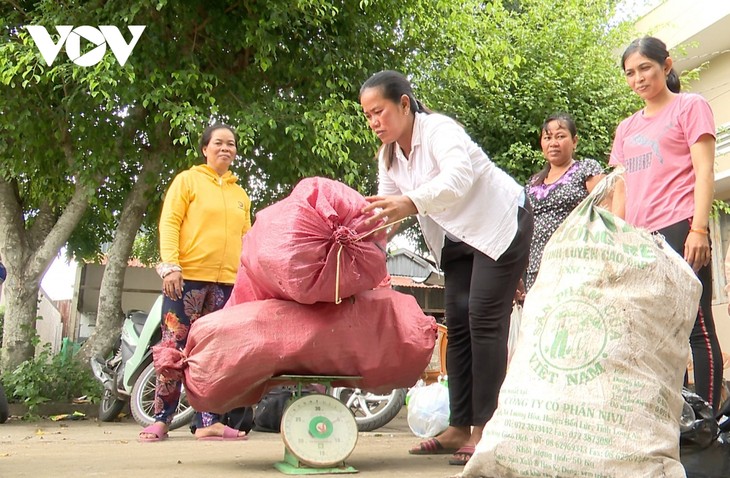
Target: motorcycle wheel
pixel 3 405
pixel 110 406
pixel 371 411
pixel 142 402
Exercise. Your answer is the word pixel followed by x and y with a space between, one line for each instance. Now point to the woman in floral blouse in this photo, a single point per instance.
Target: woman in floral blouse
pixel 559 186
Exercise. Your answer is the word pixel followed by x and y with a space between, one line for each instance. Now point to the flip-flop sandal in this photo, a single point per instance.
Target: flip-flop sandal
pixel 157 429
pixel 431 447
pixel 229 434
pixel 466 451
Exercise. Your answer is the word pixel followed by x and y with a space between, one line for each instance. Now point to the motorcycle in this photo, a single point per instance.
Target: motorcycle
pixel 371 410
pixel 129 375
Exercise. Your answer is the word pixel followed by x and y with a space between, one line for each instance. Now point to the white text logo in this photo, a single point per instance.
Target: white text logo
pixel 71 37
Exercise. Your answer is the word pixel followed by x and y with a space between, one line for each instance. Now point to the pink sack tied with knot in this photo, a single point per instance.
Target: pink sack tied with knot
pixel 169 360
pixel 313 246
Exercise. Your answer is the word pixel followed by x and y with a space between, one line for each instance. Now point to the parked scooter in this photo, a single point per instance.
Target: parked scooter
pixel 371 410
pixel 129 376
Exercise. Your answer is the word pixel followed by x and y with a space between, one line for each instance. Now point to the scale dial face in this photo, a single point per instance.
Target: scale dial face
pixel 319 430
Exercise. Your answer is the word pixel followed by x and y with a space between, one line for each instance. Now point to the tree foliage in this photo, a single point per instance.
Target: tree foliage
pixel 502 67
pixel 286 75
pixel 521 62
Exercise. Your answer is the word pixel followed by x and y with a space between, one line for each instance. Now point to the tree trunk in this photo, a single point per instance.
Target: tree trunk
pixel 110 316
pixel 21 302
pixel 27 253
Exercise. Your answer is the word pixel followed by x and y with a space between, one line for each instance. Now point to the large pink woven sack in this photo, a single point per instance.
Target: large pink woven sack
pixel 232 354
pixel 291 252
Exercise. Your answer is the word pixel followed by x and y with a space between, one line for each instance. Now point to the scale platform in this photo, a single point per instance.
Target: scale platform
pixel 319 431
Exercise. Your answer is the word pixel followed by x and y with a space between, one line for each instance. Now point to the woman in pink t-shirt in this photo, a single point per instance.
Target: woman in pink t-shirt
pixel 668 149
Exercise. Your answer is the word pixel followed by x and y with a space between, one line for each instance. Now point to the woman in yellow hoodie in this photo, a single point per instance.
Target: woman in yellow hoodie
pixel 204 217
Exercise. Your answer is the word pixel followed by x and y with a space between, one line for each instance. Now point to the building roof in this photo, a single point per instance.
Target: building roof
pixel 131 262
pixel 402 281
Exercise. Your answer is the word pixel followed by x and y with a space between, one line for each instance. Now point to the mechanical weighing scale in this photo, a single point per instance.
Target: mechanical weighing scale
pixel 319 431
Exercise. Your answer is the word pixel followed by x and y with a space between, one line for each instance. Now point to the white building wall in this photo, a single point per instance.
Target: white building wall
pixel 48 326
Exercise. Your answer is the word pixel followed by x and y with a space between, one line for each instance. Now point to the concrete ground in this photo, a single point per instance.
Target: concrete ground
pixel 89 448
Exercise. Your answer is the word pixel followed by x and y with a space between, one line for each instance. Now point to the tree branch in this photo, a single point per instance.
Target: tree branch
pixel 17 7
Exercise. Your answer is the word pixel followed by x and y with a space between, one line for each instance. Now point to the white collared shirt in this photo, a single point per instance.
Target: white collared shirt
pixel 455 187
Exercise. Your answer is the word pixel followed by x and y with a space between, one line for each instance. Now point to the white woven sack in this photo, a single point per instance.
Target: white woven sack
pixel 594 386
pixel 514 331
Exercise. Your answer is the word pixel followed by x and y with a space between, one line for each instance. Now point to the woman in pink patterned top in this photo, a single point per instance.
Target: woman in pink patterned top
pixel 667 149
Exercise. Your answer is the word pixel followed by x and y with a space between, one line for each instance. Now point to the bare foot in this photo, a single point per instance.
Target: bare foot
pixel 216 430
pixel 476 435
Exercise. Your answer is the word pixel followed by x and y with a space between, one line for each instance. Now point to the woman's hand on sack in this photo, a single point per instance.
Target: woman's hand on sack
pixel 520 293
pixel 172 285
pixel 389 208
pixel 697 250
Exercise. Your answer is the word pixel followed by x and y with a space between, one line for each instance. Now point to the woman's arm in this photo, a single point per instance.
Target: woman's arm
pixel 389 203
pixel 697 246
pixel 173 211
pixel 389 208
pixel 593 180
pixel 618 200
pixel 446 146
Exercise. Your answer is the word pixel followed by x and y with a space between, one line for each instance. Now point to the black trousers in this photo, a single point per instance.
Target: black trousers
pixel 479 292
pixel 706 353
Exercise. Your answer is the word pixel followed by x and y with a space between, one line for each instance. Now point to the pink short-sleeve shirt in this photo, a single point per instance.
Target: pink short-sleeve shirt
pixel 655 152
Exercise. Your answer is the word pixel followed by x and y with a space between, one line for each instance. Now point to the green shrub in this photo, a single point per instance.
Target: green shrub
pixel 50 378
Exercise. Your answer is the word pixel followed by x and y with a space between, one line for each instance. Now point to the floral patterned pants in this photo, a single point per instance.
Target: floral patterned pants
pixel 199 298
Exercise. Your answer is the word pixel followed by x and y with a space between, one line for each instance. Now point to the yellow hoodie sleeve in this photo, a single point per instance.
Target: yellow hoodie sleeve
pixel 174 210
pixel 247 205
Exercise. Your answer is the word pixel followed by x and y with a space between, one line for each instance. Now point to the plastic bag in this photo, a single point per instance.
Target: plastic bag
pixel 270 409
pixel 697 424
pixel 428 408
pixel 710 462
pixel 514 330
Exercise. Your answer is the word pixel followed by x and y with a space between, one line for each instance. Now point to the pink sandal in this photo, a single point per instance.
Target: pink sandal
pixel 229 434
pixel 157 429
pixel 431 447
pixel 462 455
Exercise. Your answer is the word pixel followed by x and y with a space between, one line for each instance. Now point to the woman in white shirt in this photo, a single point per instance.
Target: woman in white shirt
pixel 476 224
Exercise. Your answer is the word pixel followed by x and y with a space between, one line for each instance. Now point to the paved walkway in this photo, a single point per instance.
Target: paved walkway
pixel 88 448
